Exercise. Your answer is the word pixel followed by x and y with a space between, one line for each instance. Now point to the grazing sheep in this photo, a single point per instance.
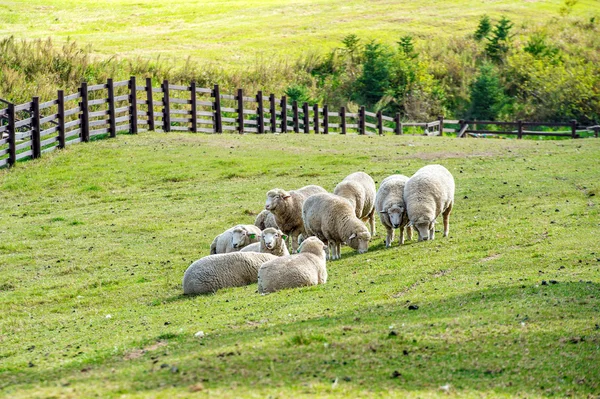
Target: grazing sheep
pixel 359 189
pixel 300 270
pixel 265 219
pixel 234 239
pixel 209 274
pixel 389 203
pixel 429 192
pixel 272 241
pixel 332 219
pixel 287 208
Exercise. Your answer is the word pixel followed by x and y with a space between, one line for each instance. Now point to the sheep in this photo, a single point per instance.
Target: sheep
pixel 303 269
pixel 234 239
pixel 429 192
pixel 265 219
pixel 211 273
pixel 287 208
pixel 359 189
pixel 389 203
pixel 272 241
pixel 332 219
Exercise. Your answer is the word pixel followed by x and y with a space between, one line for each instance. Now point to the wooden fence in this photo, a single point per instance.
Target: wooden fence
pixel 31 129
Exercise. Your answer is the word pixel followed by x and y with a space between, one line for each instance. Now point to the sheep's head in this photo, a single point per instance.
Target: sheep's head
pixel 423 225
pixel 272 238
pixel 395 214
pixel 360 241
pixel 313 245
pixel 239 237
pixel 274 199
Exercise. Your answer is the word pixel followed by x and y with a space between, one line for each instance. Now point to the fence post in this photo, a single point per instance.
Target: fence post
pixel 362 121
pixel 441 128
pixel 133 107
pixel 12 135
pixel 325 119
pixel 260 110
pixel 573 129
pixel 596 130
pixel 85 113
pixel 61 118
pixel 306 118
pixel 295 116
pixel 194 100
pixel 240 110
pixel 217 110
pixel 112 124
pixel 273 112
pixel 150 101
pixel 284 126
pixel 166 107
pixel 343 119
pixel 380 123
pixel 36 140
pixel 520 129
pixel 398 127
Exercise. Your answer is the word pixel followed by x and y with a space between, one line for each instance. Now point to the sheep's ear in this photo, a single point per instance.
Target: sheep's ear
pixel 352 236
pixel 286 196
pixel 284 237
pixel 384 211
pixel 410 224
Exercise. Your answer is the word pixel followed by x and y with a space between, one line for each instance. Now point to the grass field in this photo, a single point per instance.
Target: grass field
pixel 236 31
pixel 95 240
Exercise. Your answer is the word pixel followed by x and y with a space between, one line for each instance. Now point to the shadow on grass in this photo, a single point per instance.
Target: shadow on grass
pixel 467 341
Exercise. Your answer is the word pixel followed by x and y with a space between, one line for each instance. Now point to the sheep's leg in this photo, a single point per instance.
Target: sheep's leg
pixel 330 251
pixel 338 248
pixel 446 216
pixel 372 222
pixel 432 233
pixel 294 236
pixel 389 237
pixel 401 235
pixel 409 232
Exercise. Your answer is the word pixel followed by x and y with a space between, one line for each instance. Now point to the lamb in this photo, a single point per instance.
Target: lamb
pixel 389 203
pixel 234 239
pixel 333 220
pixel 265 219
pixel 304 269
pixel 211 273
pixel 287 208
pixel 272 241
pixel 429 192
pixel 359 189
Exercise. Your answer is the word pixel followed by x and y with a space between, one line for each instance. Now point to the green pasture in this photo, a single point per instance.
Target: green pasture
pixel 94 241
pixel 246 32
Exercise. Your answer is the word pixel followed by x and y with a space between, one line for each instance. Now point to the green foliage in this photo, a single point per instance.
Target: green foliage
pixel 567 7
pixel 352 47
pixel 538 47
pixel 483 28
pixel 299 93
pixel 375 79
pixel 487 96
pixel 499 43
pixel 407 46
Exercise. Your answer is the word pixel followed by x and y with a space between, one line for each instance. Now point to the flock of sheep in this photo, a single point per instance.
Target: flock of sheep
pixel 317 223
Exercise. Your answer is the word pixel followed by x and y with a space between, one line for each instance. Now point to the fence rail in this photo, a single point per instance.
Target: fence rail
pixel 28 130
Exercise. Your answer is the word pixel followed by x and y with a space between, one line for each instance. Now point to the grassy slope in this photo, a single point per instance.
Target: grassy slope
pixel 239 31
pixel 108 228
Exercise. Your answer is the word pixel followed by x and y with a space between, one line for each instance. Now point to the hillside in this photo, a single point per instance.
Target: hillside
pixel 95 240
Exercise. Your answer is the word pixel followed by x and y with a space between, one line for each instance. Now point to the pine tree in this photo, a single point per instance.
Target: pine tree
pixel 407 47
pixel 483 29
pixel 498 44
pixel 487 95
pixel 375 78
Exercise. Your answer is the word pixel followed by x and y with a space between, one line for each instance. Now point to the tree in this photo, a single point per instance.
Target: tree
pixel 483 29
pixel 375 78
pixel 487 94
pixel 498 44
pixel 299 93
pixel 407 47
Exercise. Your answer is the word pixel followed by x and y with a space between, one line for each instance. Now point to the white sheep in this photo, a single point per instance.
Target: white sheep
pixel 299 270
pixel 332 219
pixel 359 189
pixel 272 241
pixel 429 192
pixel 265 219
pixel 287 208
pixel 389 203
pixel 211 273
pixel 234 239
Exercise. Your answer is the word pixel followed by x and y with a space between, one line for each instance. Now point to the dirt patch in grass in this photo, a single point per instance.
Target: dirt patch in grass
pixel 137 353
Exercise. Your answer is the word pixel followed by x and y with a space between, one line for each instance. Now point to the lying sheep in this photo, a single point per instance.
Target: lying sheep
pixel 272 241
pixel 389 203
pixel 429 192
pixel 359 189
pixel 234 239
pixel 265 219
pixel 299 270
pixel 332 219
pixel 287 208
pixel 211 273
